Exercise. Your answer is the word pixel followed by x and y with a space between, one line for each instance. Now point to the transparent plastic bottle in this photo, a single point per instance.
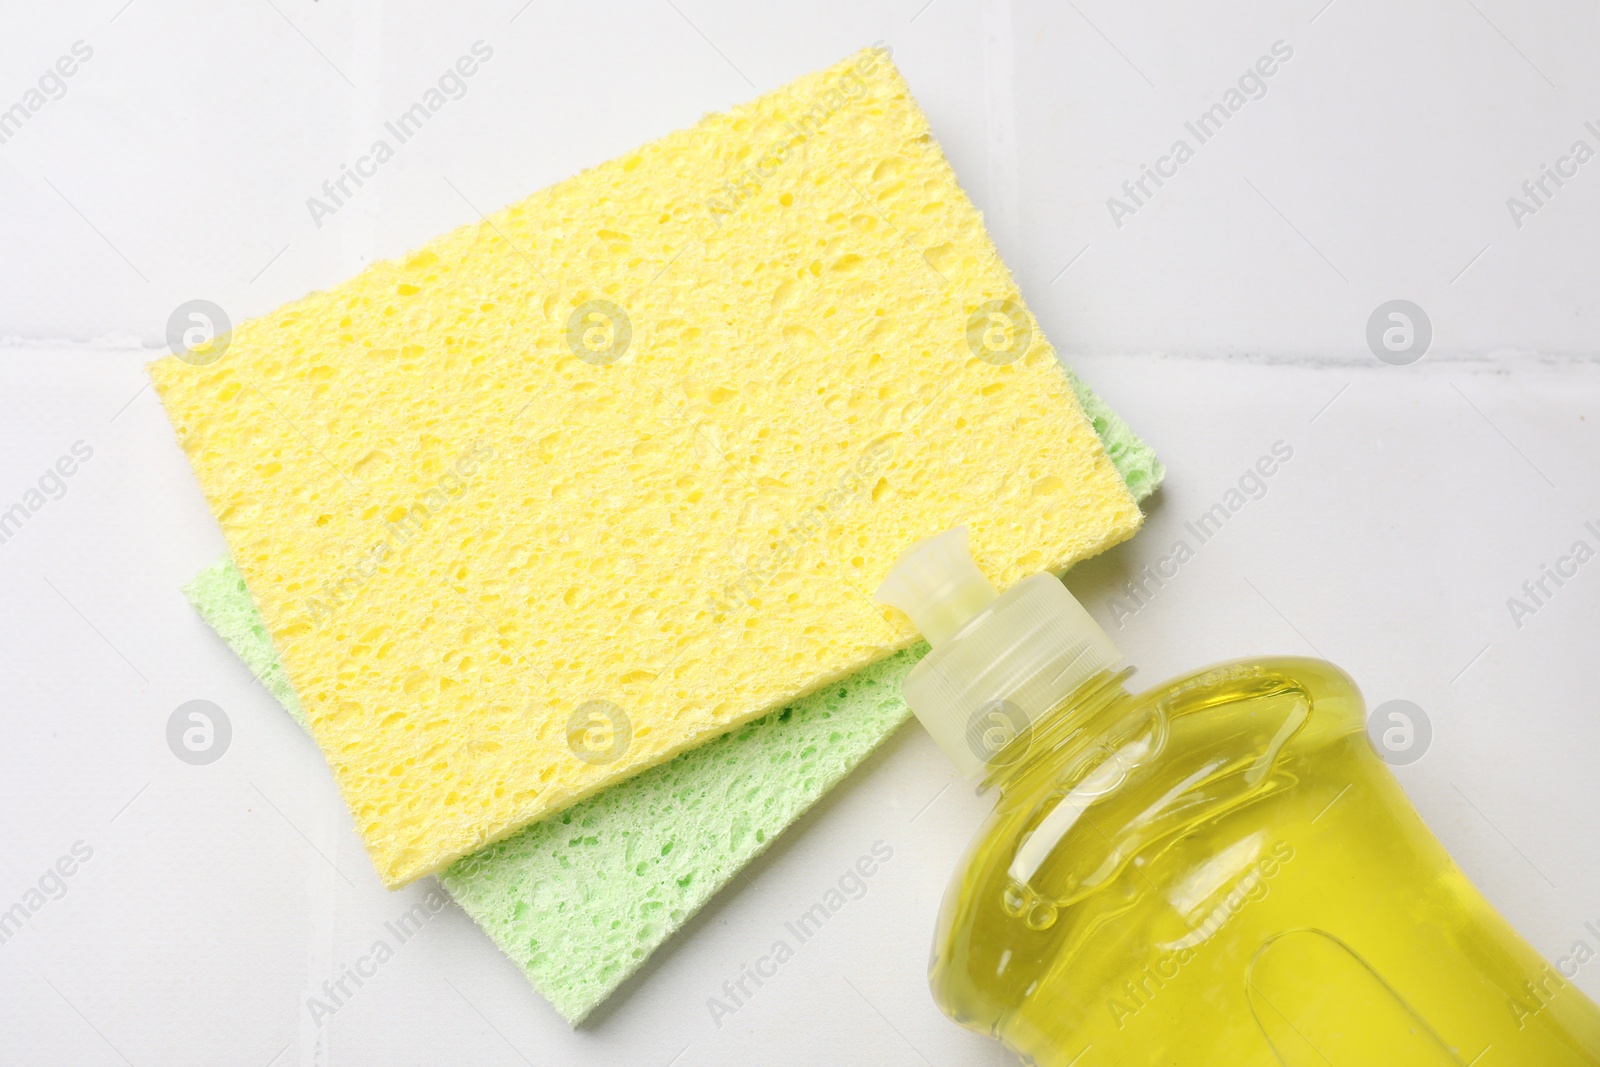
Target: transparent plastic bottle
pixel 1216 871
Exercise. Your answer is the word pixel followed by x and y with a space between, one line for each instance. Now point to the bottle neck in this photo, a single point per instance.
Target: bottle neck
pixel 1071 725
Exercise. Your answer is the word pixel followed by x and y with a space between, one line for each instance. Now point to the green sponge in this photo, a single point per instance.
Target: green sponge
pixel 581 900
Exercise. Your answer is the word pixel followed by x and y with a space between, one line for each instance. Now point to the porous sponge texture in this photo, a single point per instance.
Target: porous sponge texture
pixel 581 900
pixel 465 522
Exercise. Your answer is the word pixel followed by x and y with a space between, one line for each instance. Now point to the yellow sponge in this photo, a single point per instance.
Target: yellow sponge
pixel 584 484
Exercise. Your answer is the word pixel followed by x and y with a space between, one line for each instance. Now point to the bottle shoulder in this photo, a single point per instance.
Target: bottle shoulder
pixel 1231 681
pixel 1152 765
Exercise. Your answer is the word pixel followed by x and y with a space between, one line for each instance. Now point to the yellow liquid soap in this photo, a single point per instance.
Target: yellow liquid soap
pixel 1245 884
pixel 1217 872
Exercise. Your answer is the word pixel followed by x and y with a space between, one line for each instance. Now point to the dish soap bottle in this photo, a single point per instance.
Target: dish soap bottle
pixel 1218 870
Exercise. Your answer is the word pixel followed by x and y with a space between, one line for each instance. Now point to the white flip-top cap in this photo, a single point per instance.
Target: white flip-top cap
pixel 999 661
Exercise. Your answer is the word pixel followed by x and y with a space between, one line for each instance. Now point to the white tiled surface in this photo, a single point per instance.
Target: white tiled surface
pixel 1418 500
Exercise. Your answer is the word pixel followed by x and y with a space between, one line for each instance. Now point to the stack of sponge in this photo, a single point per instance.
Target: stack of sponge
pixel 559 534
